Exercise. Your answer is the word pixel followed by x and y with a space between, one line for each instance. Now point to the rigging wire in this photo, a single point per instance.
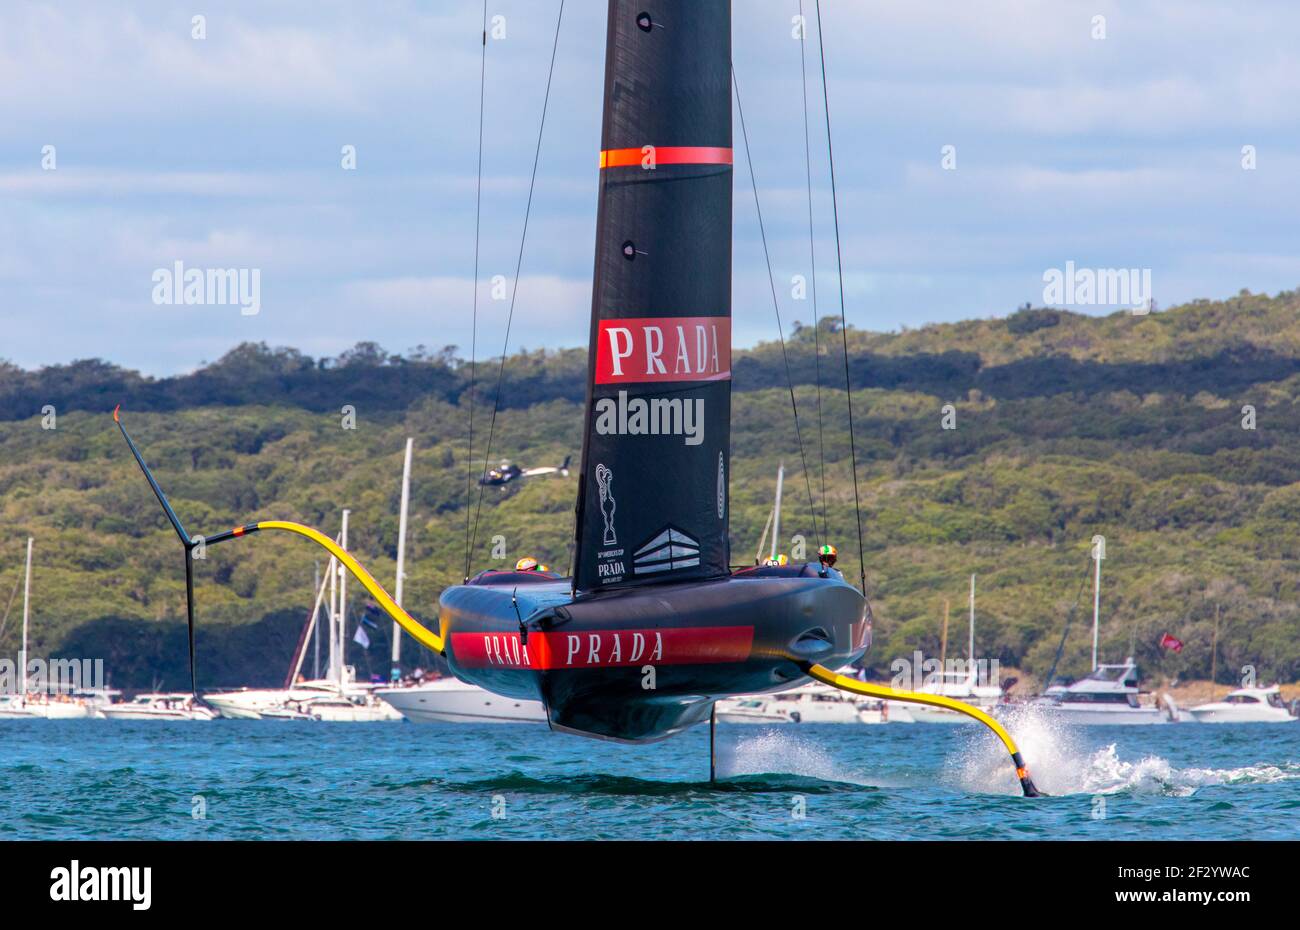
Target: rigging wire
pixel 4 622
pixel 839 264
pixel 812 256
pixel 514 292
pixel 771 280
pixel 1069 618
pixel 473 338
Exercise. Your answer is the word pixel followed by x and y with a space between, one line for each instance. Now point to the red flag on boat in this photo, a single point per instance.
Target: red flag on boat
pixel 1171 642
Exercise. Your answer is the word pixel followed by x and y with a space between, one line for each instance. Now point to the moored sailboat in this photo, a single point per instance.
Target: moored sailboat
pixel 56 700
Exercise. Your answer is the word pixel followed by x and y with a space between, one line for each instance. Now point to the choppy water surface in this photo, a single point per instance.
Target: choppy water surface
pixel 290 780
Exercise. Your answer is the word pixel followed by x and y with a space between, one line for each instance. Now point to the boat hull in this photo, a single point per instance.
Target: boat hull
pixel 644 663
pixel 1235 713
pixel 457 702
pixel 752 718
pixel 125 714
pixel 347 712
pixel 924 713
pixel 1123 716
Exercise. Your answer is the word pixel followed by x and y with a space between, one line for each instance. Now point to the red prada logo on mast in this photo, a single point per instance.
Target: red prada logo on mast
pixel 646 349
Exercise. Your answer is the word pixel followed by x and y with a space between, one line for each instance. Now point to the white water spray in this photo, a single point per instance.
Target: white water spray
pixel 1061 764
pixel 777 752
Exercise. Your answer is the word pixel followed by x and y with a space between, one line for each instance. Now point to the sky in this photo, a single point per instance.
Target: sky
pixel 1110 143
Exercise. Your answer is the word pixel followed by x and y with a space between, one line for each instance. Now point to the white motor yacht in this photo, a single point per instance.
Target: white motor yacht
pixel 177 706
pixel 14 707
pixel 810 703
pixel 450 700
pixel 1107 696
pixel 76 704
pixel 253 703
pixel 47 706
pixel 1245 705
pixel 347 708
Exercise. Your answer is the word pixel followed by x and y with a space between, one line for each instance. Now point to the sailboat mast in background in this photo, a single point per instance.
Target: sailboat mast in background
pixel 970 647
pixel 27 600
pixel 341 617
pixel 776 511
pixel 1098 553
pixel 401 557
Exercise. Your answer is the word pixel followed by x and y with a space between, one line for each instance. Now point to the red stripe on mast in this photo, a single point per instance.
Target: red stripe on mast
pixel 665 155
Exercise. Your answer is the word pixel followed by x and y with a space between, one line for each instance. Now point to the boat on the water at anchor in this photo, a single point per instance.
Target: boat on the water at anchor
pixel 343 708
pixel 1245 705
pixel 810 703
pixel 1109 695
pixel 450 700
pixel 60 701
pixel 159 706
pixel 259 703
pixel 254 703
pixel 73 704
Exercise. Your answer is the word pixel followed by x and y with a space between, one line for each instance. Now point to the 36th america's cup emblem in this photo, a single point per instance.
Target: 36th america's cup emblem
pixel 603 477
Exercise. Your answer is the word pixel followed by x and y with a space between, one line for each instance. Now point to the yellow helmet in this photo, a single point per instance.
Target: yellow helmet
pixel 526 564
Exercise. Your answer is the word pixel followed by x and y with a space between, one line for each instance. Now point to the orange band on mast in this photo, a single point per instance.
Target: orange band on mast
pixel 665 155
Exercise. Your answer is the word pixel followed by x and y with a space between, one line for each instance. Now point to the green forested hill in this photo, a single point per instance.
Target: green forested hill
pixel 1066 426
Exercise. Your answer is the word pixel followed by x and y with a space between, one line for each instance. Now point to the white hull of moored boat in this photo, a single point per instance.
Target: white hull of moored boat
pixel 1245 705
pixel 335 710
pixel 742 715
pixel 924 713
pixel 57 710
pixel 249 703
pixel 133 713
pixel 1119 716
pixel 809 703
pixel 179 706
pixel 233 711
pixel 52 711
pixel 1238 715
pixel 450 700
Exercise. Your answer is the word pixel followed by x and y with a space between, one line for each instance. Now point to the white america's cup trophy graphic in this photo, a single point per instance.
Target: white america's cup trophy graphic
pixel 603 477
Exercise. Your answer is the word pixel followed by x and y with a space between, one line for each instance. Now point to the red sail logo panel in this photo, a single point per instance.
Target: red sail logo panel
pixel 652 349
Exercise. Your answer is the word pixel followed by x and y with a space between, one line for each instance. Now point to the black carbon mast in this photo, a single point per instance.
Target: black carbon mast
pixel 653 497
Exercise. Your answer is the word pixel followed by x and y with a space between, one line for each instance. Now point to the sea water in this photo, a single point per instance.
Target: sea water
pixel 238 779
